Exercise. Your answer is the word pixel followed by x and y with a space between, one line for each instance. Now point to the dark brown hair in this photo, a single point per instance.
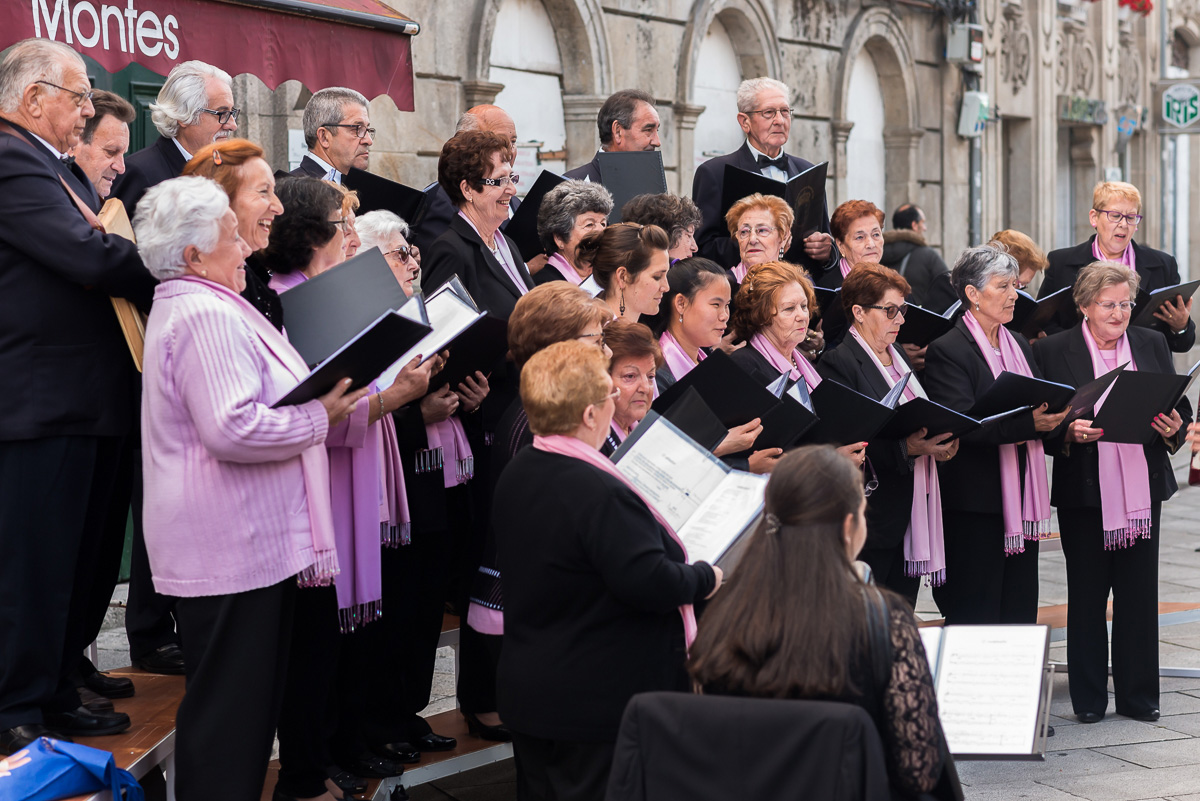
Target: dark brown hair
pixel 866 284
pixel 553 312
pixel 227 171
pixel 757 298
pixel 848 212
pixel 467 156
pixel 628 245
pixel 107 104
pixel 629 340
pixel 672 213
pixel 790 620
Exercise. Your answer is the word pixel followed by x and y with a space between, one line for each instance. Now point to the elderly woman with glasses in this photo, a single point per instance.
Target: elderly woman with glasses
pixel 598 590
pixel 389 232
pixel 996 495
pixel 569 212
pixel 904 518
pixel 761 225
pixel 1109 497
pixel 1116 214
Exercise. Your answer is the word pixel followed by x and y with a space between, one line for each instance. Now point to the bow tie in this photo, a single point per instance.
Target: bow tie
pixel 67 160
pixel 766 161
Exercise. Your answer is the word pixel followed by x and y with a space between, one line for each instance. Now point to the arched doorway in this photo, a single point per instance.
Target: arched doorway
pixel 715 88
pixel 866 161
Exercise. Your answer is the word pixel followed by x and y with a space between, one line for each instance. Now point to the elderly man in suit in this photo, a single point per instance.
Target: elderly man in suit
pixel 766 119
pixel 628 121
pixel 66 402
pixel 194 108
pixel 101 151
pixel 337 133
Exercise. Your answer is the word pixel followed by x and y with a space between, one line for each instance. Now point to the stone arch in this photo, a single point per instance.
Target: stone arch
pixel 879 33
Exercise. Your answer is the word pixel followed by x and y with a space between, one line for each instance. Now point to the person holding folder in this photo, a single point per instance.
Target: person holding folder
pixel 598 591
pixel 237 492
pixel 636 357
pixel 996 495
pixel 569 212
pixel 629 264
pixel 1109 498
pixel 904 518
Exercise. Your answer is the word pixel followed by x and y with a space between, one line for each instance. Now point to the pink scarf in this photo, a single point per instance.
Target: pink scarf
pixel 569 446
pixel 801 367
pixel 568 272
pixel 1028 517
pixel 395 523
pixel 678 361
pixel 924 544
pixel 1124 479
pixel 458 463
pixel 739 272
pixel 845 267
pixel 314 461
pixel 1127 258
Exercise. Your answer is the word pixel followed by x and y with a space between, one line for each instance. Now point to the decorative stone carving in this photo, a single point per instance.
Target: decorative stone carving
pixel 480 93
pixel 1075 64
pixel 1129 73
pixel 1016 46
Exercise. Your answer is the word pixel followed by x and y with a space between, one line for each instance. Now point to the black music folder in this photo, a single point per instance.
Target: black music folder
pixel 376 192
pixel 481 347
pixel 833 314
pixel 326 312
pixel 628 175
pixel 936 419
pixel 847 416
pixel 784 424
pixel 1031 315
pixel 362 359
pixel 1135 399
pixel 691 415
pixel 922 326
pixel 522 228
pixel 804 192
pixel 1013 391
pixel 729 391
pixel 1083 402
pixel 1149 302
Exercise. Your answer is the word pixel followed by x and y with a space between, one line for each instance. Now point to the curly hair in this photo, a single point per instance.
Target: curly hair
pixel 672 213
pixel 467 156
pixel 777 207
pixel 563 204
pixel 845 214
pixel 757 298
pixel 304 224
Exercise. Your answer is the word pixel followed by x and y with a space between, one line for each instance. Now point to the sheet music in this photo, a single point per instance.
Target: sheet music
pixel 591 287
pixel 722 516
pixel 989 685
pixel 672 472
pixel 449 316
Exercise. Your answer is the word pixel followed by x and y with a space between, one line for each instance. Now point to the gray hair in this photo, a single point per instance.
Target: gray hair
pixel 467 122
pixel 620 108
pixel 183 95
pixel 977 266
pixel 30 61
pixel 376 228
pixel 173 215
pixel 565 202
pixel 1099 276
pixel 749 89
pixel 328 107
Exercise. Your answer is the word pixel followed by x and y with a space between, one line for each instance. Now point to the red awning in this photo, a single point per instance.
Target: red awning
pixel 362 44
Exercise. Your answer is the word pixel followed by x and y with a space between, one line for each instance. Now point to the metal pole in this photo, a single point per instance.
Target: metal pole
pixel 1164 61
pixel 976 191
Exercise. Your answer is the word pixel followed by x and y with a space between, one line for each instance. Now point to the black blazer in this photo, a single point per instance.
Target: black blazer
pixel 1064 357
pixel 955 376
pixel 309 168
pixel 592 585
pixel 755 364
pixel 586 172
pixel 438 214
pixel 713 237
pixel 64 365
pixel 459 251
pixel 148 167
pixel 889 508
pixel 1156 269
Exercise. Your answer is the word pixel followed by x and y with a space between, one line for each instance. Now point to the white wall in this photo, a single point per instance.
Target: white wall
pixel 865 155
pixel 715 87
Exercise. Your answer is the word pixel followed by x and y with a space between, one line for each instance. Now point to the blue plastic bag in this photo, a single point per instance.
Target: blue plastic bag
pixel 47 770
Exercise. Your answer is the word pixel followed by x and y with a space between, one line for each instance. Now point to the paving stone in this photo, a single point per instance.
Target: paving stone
pixel 1080 762
pixel 1130 785
pixel 1158 755
pixel 1114 731
pixel 1019 790
pixel 1186 724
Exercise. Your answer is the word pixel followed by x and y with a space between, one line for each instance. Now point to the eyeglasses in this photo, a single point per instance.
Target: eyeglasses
pixel 80 97
pixel 612 396
pixel 343 223
pixel 768 114
pixel 224 116
pixel 402 252
pixel 891 311
pixel 873 484
pixel 1115 217
pixel 762 232
pixel 1109 306
pixel 599 338
pixel 502 181
pixel 360 129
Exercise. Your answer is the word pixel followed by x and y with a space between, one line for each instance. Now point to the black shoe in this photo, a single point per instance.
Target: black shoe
pixel 1150 716
pixel 348 783
pixel 109 686
pixel 1090 717
pixel 18 737
pixel 433 742
pixel 498 734
pixel 398 793
pixel 93 701
pixel 1049 731
pixel 166 660
pixel 370 766
pixel 397 752
pixel 81 722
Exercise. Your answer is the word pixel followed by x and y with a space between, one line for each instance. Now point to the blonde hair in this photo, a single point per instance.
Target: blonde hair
pixel 559 382
pixel 1023 249
pixel 552 312
pixel 1098 276
pixel 1108 191
pixel 777 207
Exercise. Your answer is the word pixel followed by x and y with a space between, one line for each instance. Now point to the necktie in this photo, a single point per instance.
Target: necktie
pixel 766 161
pixel 67 160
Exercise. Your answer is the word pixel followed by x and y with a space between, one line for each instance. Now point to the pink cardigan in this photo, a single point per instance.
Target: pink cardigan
pixel 226 510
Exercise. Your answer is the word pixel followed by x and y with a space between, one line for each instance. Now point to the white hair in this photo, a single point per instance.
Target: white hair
pixel 173 215
pixel 749 89
pixel 376 228
pixel 468 122
pixel 183 95
pixel 30 61
pixel 328 107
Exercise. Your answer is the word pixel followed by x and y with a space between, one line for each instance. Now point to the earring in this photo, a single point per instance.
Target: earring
pixel 204 273
pixel 622 302
pixel 976 307
pixel 781 253
pixel 1085 318
pixel 681 318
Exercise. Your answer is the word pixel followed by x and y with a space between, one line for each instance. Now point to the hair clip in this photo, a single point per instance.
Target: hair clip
pixel 216 157
pixel 773 523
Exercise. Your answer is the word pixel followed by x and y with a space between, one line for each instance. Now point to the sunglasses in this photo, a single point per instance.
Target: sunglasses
pixel 403 252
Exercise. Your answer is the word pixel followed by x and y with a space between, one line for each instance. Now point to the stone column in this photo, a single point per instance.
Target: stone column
pixel 686 115
pixel 901 166
pixel 479 93
pixel 841 132
pixel 579 117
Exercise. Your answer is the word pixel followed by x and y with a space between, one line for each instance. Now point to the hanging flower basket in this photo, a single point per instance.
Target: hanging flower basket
pixel 1143 7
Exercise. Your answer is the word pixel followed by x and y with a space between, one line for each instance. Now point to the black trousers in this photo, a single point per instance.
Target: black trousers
pixel 887 565
pixel 149 616
pixel 479 657
pixel 54 498
pixel 561 770
pixel 1132 576
pixel 983 584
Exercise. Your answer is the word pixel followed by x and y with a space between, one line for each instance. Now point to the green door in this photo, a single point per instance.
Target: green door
pixel 140 87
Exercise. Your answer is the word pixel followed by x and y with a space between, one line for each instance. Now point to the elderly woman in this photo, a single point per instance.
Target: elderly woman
pixel 569 212
pixel 237 504
pixel 242 171
pixel 904 518
pixel 995 497
pixel 1109 498
pixel 762 227
pixel 635 358
pixel 1115 214
pixel 1031 259
pixel 389 232
pixel 675 214
pixel 629 263
pixel 598 590
pixel 857 228
pixel 351 242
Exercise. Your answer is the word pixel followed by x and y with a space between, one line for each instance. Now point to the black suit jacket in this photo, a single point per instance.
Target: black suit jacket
pixel 588 172
pixel 956 375
pixel 148 167
pixel 889 508
pixel 755 364
pixel 1156 268
pixel 713 237
pixel 309 168
pixel 439 212
pixel 64 366
pixel 1064 357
